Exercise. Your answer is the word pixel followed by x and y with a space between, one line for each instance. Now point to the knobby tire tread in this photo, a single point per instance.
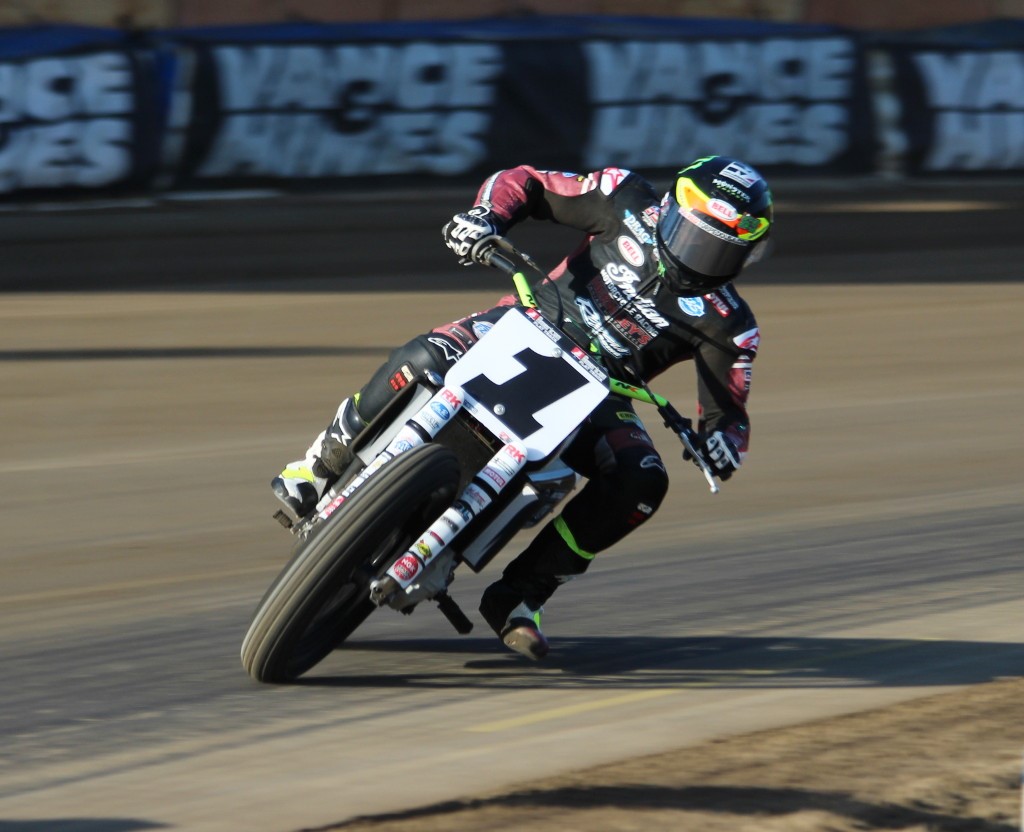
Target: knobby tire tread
pixel 423 479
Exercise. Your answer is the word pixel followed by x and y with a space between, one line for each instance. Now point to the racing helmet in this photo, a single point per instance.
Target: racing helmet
pixel 714 221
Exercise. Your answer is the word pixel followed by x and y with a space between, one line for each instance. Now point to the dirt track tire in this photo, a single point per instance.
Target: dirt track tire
pixel 320 597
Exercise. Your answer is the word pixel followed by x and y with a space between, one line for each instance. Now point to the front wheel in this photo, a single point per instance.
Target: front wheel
pixel 321 596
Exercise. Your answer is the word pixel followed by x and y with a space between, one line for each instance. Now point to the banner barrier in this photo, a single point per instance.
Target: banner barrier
pixel 299 103
pixel 79 109
pixel 86 110
pixel 961 95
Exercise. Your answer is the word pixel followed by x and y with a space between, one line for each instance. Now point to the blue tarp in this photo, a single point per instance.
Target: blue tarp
pixel 988 34
pixel 29 41
pixel 504 28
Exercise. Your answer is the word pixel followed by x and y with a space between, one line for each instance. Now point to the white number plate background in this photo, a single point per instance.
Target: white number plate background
pixel 557 401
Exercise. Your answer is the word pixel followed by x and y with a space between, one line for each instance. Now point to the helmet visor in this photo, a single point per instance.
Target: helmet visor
pixel 697 245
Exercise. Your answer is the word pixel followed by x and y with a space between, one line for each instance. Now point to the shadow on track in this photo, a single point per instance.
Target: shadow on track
pixel 79 825
pixel 150 353
pixel 728 800
pixel 632 662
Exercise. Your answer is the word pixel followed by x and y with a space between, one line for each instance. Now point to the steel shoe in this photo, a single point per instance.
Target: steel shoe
pixel 513 620
pixel 522 633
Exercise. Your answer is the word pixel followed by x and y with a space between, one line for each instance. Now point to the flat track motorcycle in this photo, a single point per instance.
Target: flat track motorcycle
pixel 445 475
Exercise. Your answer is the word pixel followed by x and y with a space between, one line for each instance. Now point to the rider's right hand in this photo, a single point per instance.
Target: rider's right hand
pixel 464 233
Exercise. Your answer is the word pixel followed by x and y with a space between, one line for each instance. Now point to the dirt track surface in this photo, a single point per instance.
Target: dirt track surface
pixel 941 763
pixel 867 557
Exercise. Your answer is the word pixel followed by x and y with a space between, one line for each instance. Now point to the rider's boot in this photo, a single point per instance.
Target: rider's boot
pixel 298 486
pixel 512 605
pixel 302 483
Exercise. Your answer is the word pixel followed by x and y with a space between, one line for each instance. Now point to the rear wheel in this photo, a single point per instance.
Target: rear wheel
pixel 321 596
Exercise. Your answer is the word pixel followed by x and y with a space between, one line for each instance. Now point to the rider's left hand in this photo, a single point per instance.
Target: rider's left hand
pixel 720 453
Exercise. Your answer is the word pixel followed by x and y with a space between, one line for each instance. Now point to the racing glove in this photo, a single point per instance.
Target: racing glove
pixel 720 453
pixel 464 232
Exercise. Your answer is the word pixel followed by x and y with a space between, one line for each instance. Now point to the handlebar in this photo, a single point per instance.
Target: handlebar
pixel 499 253
pixel 490 256
pixel 488 250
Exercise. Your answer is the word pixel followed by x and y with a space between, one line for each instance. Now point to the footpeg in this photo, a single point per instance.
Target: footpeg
pixel 453 612
pixel 281 517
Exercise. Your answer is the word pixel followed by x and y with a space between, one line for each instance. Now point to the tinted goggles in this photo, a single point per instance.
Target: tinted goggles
pixel 746 226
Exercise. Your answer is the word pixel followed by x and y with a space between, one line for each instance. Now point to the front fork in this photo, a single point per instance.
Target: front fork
pixel 484 488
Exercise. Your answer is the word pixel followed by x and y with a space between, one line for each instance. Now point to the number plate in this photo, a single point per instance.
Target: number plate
pixel 523 381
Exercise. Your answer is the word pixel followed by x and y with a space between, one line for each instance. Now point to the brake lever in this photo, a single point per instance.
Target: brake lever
pixel 683 428
pixel 688 437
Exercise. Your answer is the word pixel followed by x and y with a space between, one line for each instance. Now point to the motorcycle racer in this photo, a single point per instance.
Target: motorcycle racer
pixel 649 286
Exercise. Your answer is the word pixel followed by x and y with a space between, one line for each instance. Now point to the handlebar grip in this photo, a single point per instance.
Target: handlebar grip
pixel 501 263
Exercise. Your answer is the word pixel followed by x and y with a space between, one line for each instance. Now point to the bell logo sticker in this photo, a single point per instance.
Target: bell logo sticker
pixel 722 210
pixel 630 251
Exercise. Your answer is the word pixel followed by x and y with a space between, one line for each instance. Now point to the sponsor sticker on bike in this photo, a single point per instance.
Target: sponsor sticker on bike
pixel 506 466
pixel 584 361
pixel 450 396
pixel 382 458
pixel 547 329
pixel 518 457
pixel 406 568
pixel 428 421
pixel 332 506
pixel 477 497
pixel 406 439
pixel 494 476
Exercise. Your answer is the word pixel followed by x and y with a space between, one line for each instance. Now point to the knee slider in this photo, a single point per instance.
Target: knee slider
pixel 426 353
pixel 643 477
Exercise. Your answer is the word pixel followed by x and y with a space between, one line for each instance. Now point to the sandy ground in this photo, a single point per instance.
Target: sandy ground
pixel 947 763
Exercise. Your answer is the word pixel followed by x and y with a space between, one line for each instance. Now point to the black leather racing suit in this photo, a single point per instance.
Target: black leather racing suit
pixel 610 287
